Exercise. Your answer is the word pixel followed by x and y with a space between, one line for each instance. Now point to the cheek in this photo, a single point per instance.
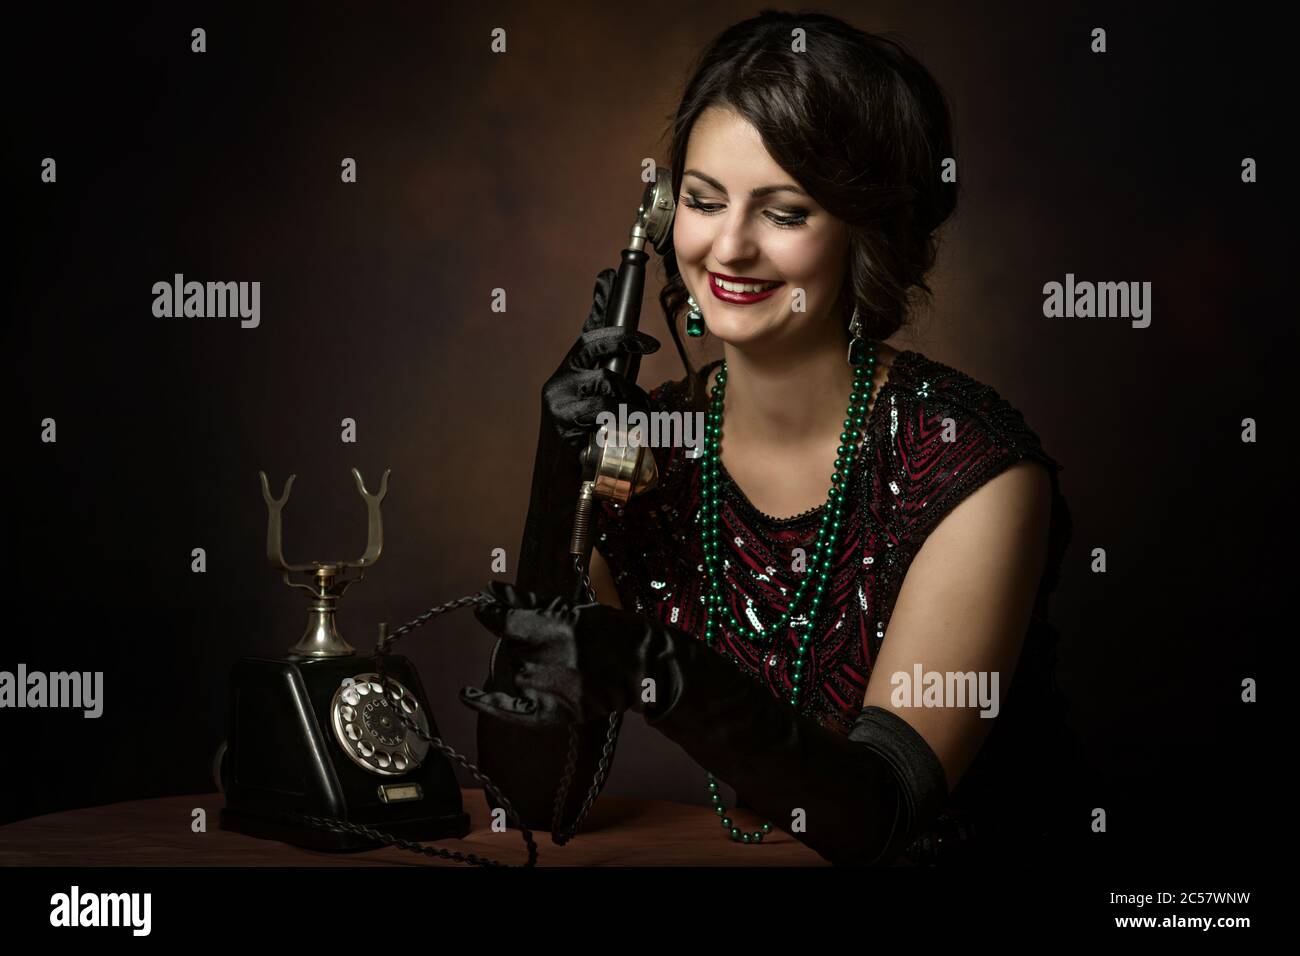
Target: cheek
pixel 691 238
pixel 804 259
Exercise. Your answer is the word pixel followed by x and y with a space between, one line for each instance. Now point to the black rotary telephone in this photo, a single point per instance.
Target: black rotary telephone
pixel 332 750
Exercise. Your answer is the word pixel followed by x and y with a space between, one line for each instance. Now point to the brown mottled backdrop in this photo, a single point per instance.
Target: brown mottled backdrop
pixel 520 171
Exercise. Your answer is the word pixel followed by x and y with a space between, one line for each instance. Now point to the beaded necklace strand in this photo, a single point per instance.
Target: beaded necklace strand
pixel 818 571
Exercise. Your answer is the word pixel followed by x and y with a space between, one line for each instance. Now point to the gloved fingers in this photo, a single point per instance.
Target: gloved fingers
pixel 572 403
pixel 598 345
pixel 585 383
pixel 505 592
pixel 602 381
pixel 532 631
pixel 523 617
pixel 492 615
pixel 600 299
pixel 575 416
pixel 599 391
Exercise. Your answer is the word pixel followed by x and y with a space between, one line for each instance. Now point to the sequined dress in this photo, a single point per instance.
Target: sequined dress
pixel 905 479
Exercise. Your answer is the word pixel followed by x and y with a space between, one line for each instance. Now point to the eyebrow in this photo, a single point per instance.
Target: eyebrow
pixel 755 193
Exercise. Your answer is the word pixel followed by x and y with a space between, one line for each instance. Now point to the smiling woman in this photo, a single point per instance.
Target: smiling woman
pixel 799 274
pixel 856 513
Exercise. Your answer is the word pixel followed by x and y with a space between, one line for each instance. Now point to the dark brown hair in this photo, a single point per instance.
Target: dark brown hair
pixel 861 125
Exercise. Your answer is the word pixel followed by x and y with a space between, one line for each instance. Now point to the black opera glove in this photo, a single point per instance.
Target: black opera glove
pixel 571 400
pixel 571 663
pixel 863 797
pixel 580 389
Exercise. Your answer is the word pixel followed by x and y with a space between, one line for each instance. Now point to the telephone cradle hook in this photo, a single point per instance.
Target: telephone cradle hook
pixel 321 637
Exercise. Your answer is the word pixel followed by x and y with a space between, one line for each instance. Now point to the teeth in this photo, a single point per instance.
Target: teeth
pixel 744 286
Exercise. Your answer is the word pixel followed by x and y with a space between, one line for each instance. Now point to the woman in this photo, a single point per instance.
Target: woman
pixel 766 624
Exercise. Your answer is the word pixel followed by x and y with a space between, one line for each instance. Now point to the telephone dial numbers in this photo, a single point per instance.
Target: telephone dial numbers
pixel 369 730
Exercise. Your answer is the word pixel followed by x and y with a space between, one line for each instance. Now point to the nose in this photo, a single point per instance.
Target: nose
pixel 734 241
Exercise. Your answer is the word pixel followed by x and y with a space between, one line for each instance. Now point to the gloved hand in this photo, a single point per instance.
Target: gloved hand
pixel 864 797
pixel 572 398
pixel 571 664
pixel 580 388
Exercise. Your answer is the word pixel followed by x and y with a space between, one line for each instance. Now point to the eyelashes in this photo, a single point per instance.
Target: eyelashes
pixel 799 218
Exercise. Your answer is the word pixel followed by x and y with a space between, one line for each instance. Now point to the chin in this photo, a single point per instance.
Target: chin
pixel 735 333
pixel 735 328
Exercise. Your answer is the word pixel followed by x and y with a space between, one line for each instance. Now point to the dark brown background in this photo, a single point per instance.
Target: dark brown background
pixel 521 171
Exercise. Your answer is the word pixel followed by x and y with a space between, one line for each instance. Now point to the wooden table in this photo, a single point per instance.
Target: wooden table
pixel 619 831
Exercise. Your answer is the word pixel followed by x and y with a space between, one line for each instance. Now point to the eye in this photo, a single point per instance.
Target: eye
pixel 789 222
pixel 796 218
pixel 692 201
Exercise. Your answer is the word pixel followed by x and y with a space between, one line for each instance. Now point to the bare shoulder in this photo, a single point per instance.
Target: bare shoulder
pixel 1012 511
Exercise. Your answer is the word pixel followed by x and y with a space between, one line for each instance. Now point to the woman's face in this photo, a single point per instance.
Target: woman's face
pixel 779 235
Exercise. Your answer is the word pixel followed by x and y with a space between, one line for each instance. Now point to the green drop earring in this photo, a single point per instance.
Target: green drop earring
pixel 694 318
pixel 858 345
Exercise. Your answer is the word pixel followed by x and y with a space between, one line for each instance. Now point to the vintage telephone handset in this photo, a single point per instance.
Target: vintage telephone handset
pixel 616 470
pixel 334 751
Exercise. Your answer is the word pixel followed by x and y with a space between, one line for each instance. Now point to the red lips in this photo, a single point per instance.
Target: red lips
pixel 748 279
pixel 741 298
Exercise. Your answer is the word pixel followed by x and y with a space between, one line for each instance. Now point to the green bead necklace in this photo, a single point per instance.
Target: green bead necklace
pixel 819 568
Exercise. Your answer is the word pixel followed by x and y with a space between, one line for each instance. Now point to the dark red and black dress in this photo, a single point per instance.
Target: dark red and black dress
pixel 906 478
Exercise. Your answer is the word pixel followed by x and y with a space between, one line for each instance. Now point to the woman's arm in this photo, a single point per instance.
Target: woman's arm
pixel 964 606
